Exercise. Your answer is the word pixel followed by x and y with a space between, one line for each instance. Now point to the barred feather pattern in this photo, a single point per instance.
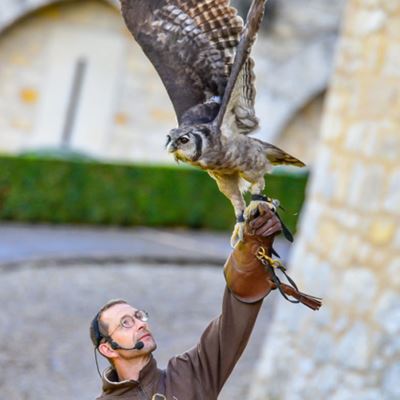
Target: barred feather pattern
pixel 203 34
pixel 192 43
pixel 243 98
pixel 212 17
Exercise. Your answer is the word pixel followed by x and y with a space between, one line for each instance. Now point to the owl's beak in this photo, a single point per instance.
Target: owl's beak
pixel 171 148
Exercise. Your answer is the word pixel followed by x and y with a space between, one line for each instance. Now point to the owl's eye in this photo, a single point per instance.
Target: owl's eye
pixel 184 139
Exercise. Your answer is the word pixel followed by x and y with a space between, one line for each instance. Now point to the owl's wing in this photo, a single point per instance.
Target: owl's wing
pixel 237 108
pixel 191 43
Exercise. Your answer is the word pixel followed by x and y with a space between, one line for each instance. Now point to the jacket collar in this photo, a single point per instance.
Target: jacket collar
pixel 147 376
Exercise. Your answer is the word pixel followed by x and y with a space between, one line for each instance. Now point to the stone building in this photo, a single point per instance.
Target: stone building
pixel 348 248
pixel 72 77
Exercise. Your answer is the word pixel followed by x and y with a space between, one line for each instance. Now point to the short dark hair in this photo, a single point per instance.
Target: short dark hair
pixel 98 329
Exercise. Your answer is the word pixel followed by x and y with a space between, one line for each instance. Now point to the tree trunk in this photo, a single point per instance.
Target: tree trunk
pixel 348 248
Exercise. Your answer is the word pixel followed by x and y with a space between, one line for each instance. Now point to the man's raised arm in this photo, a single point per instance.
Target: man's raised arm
pixel 208 365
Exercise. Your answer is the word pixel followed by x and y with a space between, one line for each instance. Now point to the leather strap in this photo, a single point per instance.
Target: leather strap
pixel 286 290
pixel 271 266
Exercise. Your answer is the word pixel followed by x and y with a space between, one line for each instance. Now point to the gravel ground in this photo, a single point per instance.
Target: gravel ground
pixel 45 350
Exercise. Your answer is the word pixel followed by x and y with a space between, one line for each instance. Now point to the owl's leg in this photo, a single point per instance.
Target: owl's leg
pixel 229 186
pixel 257 197
pixel 238 230
pixel 239 205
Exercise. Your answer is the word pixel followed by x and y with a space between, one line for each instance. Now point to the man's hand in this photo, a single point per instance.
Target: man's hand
pixel 265 224
pixel 245 275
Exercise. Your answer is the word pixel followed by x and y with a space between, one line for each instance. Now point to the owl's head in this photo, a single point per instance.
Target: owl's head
pixel 187 143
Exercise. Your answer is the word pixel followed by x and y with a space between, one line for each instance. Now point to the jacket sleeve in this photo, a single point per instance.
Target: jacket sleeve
pixel 208 365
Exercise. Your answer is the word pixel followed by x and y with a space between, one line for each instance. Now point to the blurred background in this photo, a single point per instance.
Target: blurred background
pixel 93 208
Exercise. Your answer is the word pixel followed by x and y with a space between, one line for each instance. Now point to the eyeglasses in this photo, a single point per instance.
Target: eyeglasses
pixel 128 321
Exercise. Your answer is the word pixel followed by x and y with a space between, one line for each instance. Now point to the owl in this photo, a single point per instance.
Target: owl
pixel 201 50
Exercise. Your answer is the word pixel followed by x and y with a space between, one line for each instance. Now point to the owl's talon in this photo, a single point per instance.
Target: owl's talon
pixel 252 209
pixel 237 234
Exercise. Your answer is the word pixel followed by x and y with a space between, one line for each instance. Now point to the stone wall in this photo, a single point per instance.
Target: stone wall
pixel 348 249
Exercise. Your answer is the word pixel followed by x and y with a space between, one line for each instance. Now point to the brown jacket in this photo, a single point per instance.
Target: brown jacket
pixel 200 373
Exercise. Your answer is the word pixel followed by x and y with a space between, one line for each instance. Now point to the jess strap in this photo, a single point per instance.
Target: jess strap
pixel 250 274
pixel 290 290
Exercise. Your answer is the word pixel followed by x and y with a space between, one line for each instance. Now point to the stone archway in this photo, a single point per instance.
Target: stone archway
pixel 289 87
pixel 60 72
pixel 11 11
pixel 284 87
pixel 79 86
pixel 302 133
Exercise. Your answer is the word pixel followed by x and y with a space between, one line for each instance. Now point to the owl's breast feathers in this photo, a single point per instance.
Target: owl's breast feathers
pixel 235 154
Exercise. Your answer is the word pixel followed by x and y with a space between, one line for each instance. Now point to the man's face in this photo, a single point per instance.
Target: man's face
pixel 128 337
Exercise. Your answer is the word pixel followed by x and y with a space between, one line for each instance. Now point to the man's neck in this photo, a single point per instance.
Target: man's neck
pixel 130 369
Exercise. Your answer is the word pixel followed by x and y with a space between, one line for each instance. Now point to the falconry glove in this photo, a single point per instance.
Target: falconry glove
pixel 250 273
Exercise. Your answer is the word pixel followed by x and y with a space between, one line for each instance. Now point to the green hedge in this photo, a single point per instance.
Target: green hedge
pixel 59 191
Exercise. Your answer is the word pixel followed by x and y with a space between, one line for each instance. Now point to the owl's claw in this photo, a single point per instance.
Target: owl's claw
pixel 273 204
pixel 252 210
pixel 237 234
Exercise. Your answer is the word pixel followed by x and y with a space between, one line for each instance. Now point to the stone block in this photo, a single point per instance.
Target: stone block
pixel 387 312
pixel 392 62
pixel 362 394
pixel 361 136
pixel 324 178
pixel 323 348
pixel 357 290
pixel 392 6
pixel 272 367
pixel 29 95
pixel 393 271
pixel 328 235
pixel 393 27
pixel 332 127
pixel 389 349
pixel 351 55
pixel 367 186
pixel 353 348
pixel 353 380
pixel 371 3
pixel 341 324
pixel 309 226
pixel 391 378
pixel 316 277
pixel 326 378
pixel 388 145
pixel 343 393
pixel 382 231
pixel 366 22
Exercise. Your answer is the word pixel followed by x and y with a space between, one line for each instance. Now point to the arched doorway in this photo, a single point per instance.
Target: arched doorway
pixel 74 78
pixel 300 136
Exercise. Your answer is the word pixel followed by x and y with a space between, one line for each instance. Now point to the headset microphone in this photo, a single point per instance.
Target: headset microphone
pixel 139 345
pixel 115 346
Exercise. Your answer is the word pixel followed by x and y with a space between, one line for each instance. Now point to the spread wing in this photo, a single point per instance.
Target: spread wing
pixel 237 108
pixel 191 43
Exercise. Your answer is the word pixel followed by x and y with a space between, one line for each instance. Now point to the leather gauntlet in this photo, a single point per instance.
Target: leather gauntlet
pixel 245 275
pixel 250 280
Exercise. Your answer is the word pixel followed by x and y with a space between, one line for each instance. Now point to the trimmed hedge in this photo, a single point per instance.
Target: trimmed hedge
pixel 59 191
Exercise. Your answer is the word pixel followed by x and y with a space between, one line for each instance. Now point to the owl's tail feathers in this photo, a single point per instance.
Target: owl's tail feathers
pixel 276 156
pixel 310 301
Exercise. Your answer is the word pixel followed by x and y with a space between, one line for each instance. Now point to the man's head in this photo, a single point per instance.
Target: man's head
pixel 118 324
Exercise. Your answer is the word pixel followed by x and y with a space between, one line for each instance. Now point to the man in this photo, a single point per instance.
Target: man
pixel 121 333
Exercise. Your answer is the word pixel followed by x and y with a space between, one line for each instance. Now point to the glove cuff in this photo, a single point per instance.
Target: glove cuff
pixel 245 275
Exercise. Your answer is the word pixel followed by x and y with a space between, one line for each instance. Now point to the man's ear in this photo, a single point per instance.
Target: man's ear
pixel 106 350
